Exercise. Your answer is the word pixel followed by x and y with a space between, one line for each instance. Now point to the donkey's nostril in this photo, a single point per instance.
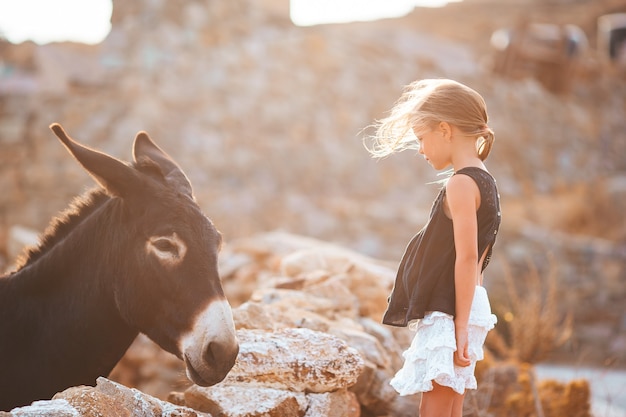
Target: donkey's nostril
pixel 209 355
pixel 219 354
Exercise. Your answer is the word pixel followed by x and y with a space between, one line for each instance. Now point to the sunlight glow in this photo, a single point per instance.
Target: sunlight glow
pixel 313 12
pixel 89 21
pixel 43 21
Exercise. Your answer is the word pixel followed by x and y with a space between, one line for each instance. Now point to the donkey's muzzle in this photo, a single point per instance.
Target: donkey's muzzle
pixel 211 349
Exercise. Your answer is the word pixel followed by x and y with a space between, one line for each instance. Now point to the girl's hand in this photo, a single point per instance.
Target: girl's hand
pixel 461 356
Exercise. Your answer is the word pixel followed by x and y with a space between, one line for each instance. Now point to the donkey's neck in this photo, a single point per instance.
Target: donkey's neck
pixel 63 299
pixel 76 276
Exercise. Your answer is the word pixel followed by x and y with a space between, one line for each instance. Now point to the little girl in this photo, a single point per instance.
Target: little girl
pixel 438 290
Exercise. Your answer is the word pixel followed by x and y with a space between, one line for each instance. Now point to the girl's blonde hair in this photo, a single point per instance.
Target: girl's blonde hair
pixel 426 103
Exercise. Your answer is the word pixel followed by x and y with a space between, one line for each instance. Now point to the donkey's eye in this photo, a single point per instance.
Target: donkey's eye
pixel 169 250
pixel 165 245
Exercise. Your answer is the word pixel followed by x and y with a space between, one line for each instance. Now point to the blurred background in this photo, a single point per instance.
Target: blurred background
pixel 265 105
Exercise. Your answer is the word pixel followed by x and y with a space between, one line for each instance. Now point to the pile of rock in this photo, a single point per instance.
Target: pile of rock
pixel 310 340
pixel 307 315
pixel 107 398
pixel 309 327
pixel 288 372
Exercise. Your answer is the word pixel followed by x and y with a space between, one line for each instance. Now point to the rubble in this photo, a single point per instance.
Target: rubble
pixel 107 398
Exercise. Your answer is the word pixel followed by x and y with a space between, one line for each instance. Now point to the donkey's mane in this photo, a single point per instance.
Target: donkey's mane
pixel 60 226
pixel 78 210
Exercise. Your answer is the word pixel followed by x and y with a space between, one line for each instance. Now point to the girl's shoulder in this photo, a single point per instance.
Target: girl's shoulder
pixel 481 177
pixel 461 189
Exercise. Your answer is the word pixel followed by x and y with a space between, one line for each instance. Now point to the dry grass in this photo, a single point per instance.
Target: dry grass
pixel 534 321
pixel 508 389
pixel 534 326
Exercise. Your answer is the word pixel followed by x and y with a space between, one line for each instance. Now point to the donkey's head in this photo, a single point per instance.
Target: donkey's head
pixel 166 283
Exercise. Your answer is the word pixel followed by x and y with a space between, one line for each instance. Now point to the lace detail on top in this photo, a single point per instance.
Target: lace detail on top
pixel 489 205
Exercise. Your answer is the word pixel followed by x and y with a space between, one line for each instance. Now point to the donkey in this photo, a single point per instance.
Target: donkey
pixel 133 255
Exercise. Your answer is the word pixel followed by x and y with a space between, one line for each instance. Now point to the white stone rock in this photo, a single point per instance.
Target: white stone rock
pixel 246 401
pixel 299 360
pixel 340 403
pixel 53 408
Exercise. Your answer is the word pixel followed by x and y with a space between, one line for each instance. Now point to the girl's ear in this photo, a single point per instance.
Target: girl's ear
pixel 446 130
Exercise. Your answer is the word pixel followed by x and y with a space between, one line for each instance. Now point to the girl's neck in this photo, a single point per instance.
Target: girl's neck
pixel 463 152
pixel 460 163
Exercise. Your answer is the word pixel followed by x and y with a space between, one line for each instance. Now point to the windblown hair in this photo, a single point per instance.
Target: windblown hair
pixel 425 103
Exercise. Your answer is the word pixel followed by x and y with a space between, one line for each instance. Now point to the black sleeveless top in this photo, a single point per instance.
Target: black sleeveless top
pixel 425 278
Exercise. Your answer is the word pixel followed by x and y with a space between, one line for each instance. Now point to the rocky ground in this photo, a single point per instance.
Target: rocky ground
pixel 311 344
pixel 267 119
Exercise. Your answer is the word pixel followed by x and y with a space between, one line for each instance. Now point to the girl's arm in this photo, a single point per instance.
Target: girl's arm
pixel 463 199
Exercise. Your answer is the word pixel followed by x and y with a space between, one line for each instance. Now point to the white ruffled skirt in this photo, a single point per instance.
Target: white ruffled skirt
pixel 431 354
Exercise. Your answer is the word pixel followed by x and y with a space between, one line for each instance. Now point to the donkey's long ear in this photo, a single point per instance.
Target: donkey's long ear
pixel 117 178
pixel 145 148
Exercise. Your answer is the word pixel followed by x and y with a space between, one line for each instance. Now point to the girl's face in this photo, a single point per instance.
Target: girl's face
pixel 433 146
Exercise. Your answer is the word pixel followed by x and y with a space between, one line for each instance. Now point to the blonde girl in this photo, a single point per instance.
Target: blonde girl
pixel 438 290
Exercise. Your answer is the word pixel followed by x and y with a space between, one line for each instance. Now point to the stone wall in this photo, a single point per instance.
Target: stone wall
pixel 268 118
